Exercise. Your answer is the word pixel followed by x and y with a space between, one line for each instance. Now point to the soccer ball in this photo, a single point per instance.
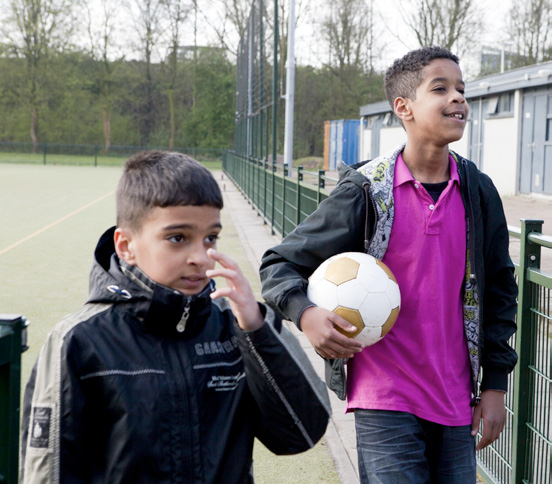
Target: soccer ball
pixel 362 290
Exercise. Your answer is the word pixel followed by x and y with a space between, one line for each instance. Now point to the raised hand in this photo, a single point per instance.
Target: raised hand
pixel 238 291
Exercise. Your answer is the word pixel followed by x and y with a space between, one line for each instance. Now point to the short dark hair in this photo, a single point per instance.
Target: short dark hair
pixel 162 179
pixel 405 74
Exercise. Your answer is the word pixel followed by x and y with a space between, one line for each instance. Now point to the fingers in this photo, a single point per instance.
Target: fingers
pixel 491 431
pixel 222 259
pixel 342 323
pixel 476 419
pixel 319 324
pixel 230 271
pixel 492 415
pixel 238 291
pixel 337 345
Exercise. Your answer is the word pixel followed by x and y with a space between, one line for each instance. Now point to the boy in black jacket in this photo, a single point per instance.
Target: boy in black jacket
pixel 158 378
pixel 437 222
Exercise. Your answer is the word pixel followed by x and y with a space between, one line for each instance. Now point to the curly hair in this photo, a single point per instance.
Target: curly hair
pixel 405 74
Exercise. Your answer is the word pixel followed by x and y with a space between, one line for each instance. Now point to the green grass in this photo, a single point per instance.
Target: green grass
pixel 310 163
pixel 51 218
pixel 79 159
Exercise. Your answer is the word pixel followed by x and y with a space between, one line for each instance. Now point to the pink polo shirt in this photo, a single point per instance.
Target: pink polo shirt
pixel 422 365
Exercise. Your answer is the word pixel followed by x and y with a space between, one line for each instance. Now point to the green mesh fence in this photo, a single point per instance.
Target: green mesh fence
pixel 64 154
pixel 257 83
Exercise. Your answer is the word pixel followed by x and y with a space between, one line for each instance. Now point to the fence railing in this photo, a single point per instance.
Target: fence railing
pixel 523 453
pixel 66 154
pixel 283 197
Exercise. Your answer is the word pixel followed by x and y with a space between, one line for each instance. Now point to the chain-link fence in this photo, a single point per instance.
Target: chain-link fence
pixel 257 84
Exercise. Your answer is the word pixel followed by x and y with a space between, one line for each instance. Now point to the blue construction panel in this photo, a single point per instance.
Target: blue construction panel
pixel 343 142
pixel 349 153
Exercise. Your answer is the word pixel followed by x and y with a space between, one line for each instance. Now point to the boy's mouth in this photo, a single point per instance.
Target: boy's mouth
pixel 455 115
pixel 194 278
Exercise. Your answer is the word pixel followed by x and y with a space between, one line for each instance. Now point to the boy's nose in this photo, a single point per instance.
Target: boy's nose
pixel 198 256
pixel 458 98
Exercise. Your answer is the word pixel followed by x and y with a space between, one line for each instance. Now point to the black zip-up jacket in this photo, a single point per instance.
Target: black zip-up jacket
pixel 346 221
pixel 119 395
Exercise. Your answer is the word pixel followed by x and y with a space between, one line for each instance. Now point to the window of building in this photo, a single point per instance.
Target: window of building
pixel 391 120
pixel 506 103
pixel 502 105
pixel 549 128
pixel 492 104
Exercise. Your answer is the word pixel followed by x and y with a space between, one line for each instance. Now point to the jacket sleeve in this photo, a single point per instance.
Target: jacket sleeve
pixel 44 435
pixel 337 225
pixel 292 400
pixel 500 294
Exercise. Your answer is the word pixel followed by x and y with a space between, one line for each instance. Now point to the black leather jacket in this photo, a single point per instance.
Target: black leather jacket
pixel 118 395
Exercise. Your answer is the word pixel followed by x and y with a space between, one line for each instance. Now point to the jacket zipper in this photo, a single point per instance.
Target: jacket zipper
pixel 181 326
pixel 367 228
pixel 463 175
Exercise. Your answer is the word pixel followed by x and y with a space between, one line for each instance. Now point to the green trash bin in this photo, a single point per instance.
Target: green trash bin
pixel 13 342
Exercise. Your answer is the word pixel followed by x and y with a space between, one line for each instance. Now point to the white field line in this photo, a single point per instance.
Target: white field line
pixel 55 222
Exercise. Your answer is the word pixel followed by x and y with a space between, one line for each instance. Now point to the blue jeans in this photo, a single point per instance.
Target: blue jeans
pixel 400 448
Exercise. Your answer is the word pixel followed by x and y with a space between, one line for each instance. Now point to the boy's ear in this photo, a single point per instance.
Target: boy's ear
pixel 402 108
pixel 123 245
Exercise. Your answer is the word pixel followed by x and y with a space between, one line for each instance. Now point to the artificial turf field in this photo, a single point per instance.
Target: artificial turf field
pixel 50 219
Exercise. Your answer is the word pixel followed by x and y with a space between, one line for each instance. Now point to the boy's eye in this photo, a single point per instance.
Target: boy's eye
pixel 176 239
pixel 212 239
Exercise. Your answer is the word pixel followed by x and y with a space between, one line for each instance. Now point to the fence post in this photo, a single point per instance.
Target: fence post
pixel 284 178
pixel 44 146
pixel 273 196
pixel 13 341
pixel 265 170
pixel 525 343
pixel 246 177
pixel 259 167
pixel 242 174
pixel 95 155
pixel 321 185
pixel 298 197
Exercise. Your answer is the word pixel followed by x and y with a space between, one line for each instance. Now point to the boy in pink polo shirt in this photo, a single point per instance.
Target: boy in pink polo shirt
pixel 438 223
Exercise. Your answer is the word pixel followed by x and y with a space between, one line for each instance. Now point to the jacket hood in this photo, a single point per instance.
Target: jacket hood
pixel 160 309
pixel 349 173
pixel 354 174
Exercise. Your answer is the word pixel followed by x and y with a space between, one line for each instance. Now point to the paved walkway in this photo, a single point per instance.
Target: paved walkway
pixel 256 239
pixel 525 207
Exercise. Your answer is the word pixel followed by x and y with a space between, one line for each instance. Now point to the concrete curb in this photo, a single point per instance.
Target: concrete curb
pixel 256 238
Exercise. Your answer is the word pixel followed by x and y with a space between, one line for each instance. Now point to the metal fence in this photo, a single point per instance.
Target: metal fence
pixel 65 154
pixel 257 89
pixel 283 197
pixel 523 453
pixel 13 341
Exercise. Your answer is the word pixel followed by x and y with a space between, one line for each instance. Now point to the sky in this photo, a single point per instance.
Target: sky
pixel 394 36
pixel 394 32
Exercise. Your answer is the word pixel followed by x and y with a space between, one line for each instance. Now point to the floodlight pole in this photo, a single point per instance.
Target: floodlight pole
pixel 290 88
pixel 251 30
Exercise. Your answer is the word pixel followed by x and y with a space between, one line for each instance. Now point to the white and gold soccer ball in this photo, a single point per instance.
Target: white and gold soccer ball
pixel 362 290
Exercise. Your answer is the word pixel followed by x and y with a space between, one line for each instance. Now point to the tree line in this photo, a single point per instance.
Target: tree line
pixel 144 73
pixel 70 107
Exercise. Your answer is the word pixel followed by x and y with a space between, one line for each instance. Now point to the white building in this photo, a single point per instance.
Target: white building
pixel 508 135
